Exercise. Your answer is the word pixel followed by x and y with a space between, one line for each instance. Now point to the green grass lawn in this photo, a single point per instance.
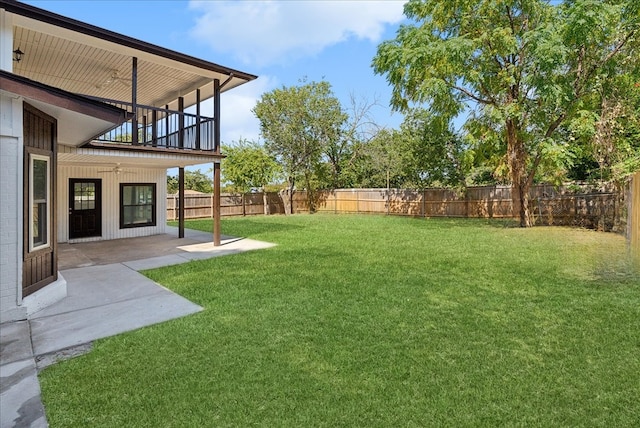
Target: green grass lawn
pixel 375 321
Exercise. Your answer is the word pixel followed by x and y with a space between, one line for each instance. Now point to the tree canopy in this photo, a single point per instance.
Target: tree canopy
pixel 525 72
pixel 248 166
pixel 297 124
pixel 193 180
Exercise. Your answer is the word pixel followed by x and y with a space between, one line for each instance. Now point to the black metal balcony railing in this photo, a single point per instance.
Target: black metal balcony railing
pixel 161 128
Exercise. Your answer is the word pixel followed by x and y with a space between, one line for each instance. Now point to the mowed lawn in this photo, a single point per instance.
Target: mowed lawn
pixel 375 321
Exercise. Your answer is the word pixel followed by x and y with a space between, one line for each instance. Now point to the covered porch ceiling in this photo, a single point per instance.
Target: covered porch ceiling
pixel 84 59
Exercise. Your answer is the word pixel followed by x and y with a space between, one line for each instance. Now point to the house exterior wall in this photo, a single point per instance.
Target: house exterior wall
pixel 111 200
pixel 11 180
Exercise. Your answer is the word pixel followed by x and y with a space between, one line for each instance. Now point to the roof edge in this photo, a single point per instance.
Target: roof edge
pixel 22 86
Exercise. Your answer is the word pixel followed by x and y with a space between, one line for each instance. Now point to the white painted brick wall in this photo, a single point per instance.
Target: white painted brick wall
pixel 9 248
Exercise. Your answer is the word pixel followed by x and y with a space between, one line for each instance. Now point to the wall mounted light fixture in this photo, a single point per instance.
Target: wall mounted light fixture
pixel 17 55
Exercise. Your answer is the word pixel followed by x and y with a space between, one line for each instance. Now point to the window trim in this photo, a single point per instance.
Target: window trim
pixel 154 205
pixel 33 157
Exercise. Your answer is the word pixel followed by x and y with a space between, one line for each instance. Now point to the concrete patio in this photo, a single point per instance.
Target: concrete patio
pixel 106 295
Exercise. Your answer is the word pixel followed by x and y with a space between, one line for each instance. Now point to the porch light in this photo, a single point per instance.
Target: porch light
pixel 17 55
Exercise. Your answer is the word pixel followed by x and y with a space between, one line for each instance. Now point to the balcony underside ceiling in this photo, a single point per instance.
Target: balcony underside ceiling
pixel 89 65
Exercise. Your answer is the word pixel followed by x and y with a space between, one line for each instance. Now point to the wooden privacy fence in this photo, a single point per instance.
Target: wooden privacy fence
pixel 576 206
pixel 602 209
pixel 199 205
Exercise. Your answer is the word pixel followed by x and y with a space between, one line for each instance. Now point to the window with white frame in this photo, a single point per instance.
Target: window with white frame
pixel 39 201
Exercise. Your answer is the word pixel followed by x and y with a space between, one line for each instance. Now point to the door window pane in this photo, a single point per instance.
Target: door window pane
pixel 84 196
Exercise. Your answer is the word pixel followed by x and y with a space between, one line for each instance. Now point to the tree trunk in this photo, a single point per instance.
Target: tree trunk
pixel 287 197
pixel 291 186
pixel 520 198
pixel 265 202
pixel 517 162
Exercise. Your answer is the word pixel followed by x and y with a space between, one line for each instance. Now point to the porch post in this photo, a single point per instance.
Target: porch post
pixel 134 100
pixel 216 164
pixel 197 119
pixel 181 123
pixel 166 126
pixel 181 202
pixel 216 116
pixel 216 203
pixel 144 130
pixel 154 128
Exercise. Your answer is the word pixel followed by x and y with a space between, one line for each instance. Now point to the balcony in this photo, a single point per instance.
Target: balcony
pixel 153 127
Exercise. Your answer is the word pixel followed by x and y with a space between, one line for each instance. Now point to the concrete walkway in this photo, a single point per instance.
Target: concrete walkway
pixel 102 300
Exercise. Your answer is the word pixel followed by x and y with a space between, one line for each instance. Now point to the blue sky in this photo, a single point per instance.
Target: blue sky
pixel 280 41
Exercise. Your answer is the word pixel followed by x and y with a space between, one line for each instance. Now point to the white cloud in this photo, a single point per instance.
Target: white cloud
pixel 264 32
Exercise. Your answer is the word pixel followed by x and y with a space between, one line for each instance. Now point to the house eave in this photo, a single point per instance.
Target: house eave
pixel 97 117
pixel 35 90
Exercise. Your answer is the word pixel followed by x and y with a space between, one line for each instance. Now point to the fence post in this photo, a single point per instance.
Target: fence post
pixel 175 206
pixel 466 202
pixel 388 201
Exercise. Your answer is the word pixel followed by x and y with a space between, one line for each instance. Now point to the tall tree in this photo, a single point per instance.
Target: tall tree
pixel 247 166
pixel 359 129
pixel 193 180
pixel 381 161
pixel 434 153
pixel 519 68
pixel 172 184
pixel 608 134
pixel 297 123
pixel 424 152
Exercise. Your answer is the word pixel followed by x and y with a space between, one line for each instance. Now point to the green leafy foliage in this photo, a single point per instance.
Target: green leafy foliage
pixel 248 166
pixel 193 180
pixel 521 70
pixel 425 152
pixel 298 123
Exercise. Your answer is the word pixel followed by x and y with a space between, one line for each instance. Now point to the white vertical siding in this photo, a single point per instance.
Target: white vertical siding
pixel 111 199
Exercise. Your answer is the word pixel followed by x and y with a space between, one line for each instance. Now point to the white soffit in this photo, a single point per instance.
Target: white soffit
pixel 74 128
